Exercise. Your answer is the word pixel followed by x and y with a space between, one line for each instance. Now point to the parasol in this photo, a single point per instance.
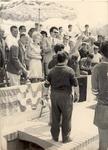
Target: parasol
pixel 36 10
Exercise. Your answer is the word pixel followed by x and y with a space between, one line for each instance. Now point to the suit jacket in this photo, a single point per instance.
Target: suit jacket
pixel 51 44
pixel 46 50
pixel 4 50
pixel 16 64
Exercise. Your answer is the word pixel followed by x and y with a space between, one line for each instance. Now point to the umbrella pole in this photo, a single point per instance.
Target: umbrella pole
pixel 39 17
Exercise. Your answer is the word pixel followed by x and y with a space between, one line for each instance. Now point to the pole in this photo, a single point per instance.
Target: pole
pixel 39 15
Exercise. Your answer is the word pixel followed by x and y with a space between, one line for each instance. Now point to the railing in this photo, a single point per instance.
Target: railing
pixel 19 104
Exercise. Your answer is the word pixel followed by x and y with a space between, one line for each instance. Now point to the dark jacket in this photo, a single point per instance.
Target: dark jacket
pixel 4 51
pixel 53 62
pixel 16 60
pixel 72 62
pixel 61 78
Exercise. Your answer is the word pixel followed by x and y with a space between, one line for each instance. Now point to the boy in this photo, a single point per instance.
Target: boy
pixel 61 79
pixel 100 89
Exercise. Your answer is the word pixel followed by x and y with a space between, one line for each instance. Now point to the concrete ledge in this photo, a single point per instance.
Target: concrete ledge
pixel 30 138
pixel 38 131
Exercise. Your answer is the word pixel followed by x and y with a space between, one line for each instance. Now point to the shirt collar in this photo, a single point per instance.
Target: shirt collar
pixel 61 64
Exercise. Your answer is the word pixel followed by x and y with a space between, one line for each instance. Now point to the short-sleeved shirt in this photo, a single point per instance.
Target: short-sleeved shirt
pixel 62 78
pixel 100 82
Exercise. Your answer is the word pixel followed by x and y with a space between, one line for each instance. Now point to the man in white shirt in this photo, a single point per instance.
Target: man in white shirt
pixel 70 31
pixel 53 38
pixel 61 34
pixel 12 39
pixel 97 56
pixel 14 66
pixel 66 43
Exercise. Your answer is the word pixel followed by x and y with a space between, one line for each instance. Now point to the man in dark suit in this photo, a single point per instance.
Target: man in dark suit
pixel 23 41
pixel 3 56
pixel 15 65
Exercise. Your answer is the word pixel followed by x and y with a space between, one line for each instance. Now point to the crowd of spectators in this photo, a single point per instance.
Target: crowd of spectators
pixel 31 54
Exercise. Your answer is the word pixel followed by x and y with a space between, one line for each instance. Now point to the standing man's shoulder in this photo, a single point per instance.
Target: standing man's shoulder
pixel 96 69
pixel 97 66
pixel 70 70
pixel 52 70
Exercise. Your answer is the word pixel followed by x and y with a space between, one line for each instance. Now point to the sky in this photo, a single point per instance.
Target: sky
pixel 91 12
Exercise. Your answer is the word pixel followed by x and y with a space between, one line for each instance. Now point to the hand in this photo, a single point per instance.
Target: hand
pixel 76 97
pixel 26 73
pixel 95 98
pixel 46 97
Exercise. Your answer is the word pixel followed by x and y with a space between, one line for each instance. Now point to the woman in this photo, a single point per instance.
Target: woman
pixel 34 54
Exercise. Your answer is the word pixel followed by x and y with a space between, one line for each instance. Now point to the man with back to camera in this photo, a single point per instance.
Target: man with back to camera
pixel 61 79
pixel 100 90
pixel 57 48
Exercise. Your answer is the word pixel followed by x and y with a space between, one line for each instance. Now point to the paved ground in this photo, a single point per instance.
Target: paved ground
pixel 92 146
pixel 84 133
pixel 82 124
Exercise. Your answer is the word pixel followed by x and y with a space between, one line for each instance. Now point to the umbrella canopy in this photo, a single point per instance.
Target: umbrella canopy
pixel 36 11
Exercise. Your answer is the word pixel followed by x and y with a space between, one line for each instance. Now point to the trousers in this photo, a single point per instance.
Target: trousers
pixel 103 139
pixel 62 106
pixel 14 79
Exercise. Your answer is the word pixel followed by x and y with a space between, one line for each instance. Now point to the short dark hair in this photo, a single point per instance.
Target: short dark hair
pixel 60 28
pixel 86 25
pixel 12 27
pixel 30 32
pixel 22 35
pixel 70 25
pixel 58 47
pixel 22 26
pixel 43 32
pixel 90 55
pixel 52 28
pixel 62 56
pixel 104 49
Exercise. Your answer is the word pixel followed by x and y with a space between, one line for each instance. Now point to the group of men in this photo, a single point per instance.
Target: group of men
pixel 14 50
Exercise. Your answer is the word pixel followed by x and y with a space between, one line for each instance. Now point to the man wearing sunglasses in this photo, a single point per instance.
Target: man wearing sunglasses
pixel 52 40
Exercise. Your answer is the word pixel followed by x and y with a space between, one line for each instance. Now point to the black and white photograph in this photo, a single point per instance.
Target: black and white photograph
pixel 53 74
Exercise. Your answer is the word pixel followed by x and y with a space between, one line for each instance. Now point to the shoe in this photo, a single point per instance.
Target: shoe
pixel 67 140
pixel 55 139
